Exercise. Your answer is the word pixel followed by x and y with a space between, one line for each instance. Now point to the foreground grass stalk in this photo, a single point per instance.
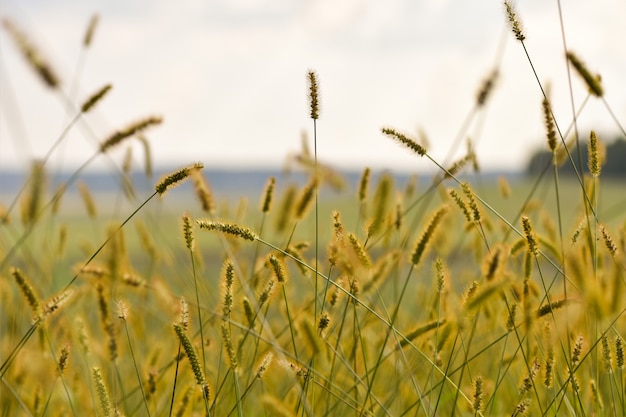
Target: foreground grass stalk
pixel 123 315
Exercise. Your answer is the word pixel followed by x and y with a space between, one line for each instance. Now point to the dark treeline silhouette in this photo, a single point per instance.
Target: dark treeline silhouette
pixel 614 165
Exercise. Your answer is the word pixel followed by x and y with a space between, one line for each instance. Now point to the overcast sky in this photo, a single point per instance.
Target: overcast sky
pixel 228 77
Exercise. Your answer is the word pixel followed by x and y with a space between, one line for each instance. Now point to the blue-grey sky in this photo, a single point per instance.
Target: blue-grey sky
pixel 228 77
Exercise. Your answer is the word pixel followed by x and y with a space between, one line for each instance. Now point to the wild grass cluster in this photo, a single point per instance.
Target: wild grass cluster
pixel 408 300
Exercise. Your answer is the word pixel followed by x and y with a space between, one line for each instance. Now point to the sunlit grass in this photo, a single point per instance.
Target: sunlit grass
pixel 451 298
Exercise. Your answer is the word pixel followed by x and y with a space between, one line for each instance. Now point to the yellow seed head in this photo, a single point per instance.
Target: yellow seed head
pixel 95 98
pixel 440 274
pixel 313 94
pixel 421 330
pixel 608 241
pixel 90 205
pixel 278 266
pixel 184 314
pixel 477 404
pixel 32 55
pixel 103 394
pixel 381 205
pixel 122 310
pixel 305 199
pixel 28 292
pixel 528 380
pixel 267 292
pixel 510 322
pixel 595 154
pixel 56 302
pixel 514 22
pixel 461 204
pixel 364 184
pixel 548 121
pixel 606 354
pixel 134 128
pixel 228 278
pixel 229 228
pixel 266 361
pixel 426 237
pixel 469 194
pixel 31 203
pixel 268 194
pixel 404 140
pixel 64 358
pixel 593 82
pixel 619 352
pixel 553 306
pixel 324 322
pixel 577 351
pixel 176 177
pixel 188 232
pixel 285 212
pixel 248 311
pixel 531 241
pixel 486 88
pixel 359 251
pixel 203 191
pixel 91 28
pixel 228 346
pixel 190 351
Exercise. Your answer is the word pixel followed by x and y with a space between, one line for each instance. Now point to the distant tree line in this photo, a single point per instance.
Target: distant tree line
pixel 614 163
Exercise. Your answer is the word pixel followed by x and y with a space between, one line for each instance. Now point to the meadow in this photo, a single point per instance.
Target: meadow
pixel 444 296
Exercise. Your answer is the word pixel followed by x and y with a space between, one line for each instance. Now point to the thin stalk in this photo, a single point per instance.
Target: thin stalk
pixel 132 355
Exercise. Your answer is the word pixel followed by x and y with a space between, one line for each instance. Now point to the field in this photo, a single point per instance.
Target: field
pixel 451 295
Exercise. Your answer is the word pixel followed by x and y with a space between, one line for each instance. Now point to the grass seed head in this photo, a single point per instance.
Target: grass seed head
pixel 514 22
pixel 91 28
pixel 404 140
pixel 228 346
pixel 593 81
pixel 95 98
pixel 64 358
pixel 268 194
pixel 314 104
pixel 228 228
pixel 486 88
pixel 595 154
pixel 364 182
pixel 176 178
pixel 548 121
pixel 192 356
pixel 265 363
pixel 28 292
pixel 608 241
pixel 529 233
pixel 32 55
pixel 619 352
pixel 278 266
pixel 477 403
pixel 359 251
pixel 607 358
pixel 427 236
pixel 471 200
pixel 203 191
pixel 228 278
pixel 134 128
pixel 188 232
pixel 305 199
pixel 103 394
